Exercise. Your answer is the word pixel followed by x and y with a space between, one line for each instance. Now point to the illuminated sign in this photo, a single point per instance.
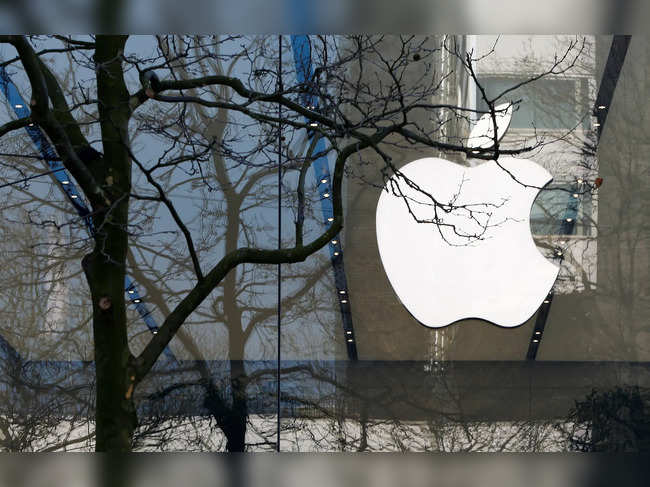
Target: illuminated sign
pixel 455 241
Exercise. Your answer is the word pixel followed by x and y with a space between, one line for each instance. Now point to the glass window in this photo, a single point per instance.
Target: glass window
pixel 550 103
pixel 557 203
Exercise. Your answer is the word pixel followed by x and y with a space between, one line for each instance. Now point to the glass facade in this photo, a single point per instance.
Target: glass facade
pixel 357 371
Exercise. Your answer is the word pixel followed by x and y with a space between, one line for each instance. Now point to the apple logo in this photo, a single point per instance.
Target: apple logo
pixel 455 241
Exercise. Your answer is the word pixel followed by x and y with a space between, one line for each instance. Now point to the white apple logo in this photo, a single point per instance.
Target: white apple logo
pixel 477 261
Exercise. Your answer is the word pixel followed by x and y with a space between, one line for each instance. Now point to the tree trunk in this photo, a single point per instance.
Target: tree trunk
pixel 231 415
pixel 115 416
pixel 105 267
pixel 236 421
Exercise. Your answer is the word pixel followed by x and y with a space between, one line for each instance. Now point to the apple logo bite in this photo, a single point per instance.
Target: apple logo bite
pixel 455 241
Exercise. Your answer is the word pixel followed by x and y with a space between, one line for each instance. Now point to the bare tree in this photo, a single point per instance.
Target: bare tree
pixel 365 94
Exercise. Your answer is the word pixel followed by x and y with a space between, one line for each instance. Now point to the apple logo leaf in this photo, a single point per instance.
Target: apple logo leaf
pixel 482 134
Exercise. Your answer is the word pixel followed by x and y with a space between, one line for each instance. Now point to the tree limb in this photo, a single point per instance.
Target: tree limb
pixel 202 289
pixel 14 125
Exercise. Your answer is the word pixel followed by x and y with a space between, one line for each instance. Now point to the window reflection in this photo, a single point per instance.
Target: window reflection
pixel 547 104
pixel 558 202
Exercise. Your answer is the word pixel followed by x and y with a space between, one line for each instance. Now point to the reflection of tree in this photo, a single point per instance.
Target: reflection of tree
pixel 44 407
pixel 614 420
pixel 241 303
pixel 44 403
pixel 612 311
pixel 180 111
pixel 397 412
